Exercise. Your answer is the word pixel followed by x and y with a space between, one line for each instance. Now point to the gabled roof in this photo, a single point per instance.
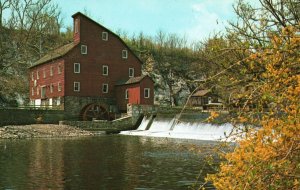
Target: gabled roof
pixel 201 93
pixel 131 80
pixel 108 30
pixel 54 54
pixel 61 51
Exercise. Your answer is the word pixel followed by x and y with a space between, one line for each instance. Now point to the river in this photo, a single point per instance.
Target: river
pixel 103 162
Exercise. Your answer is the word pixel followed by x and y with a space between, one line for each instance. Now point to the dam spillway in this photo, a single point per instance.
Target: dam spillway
pixel 176 128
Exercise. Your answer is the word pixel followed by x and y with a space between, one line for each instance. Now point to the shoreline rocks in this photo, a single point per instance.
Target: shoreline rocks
pixel 41 131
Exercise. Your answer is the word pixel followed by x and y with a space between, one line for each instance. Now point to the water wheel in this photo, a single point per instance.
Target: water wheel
pixel 94 111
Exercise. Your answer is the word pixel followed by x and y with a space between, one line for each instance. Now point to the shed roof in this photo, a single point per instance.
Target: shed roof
pixel 201 93
pixel 54 54
pixel 131 80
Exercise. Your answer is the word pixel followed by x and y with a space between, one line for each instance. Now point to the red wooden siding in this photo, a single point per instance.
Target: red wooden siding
pixel 134 95
pixel 48 80
pixel 147 83
pixel 120 96
pixel 99 52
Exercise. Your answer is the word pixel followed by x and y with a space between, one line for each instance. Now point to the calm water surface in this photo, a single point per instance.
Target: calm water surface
pixel 104 162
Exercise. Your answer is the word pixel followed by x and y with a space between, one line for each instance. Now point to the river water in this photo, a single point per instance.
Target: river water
pixel 103 162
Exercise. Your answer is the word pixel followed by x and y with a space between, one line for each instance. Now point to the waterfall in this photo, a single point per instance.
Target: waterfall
pixel 203 131
pixel 161 124
pixel 167 127
pixel 144 123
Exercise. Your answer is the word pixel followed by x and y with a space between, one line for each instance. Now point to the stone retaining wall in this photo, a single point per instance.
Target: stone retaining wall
pixel 137 110
pixel 122 123
pixel 16 116
pixel 189 114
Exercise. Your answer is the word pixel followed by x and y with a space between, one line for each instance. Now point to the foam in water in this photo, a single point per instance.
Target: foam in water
pixel 161 127
pixel 202 131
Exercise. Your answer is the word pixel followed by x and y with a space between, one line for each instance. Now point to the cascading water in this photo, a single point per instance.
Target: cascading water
pixel 144 123
pixel 161 124
pixel 172 128
pixel 203 131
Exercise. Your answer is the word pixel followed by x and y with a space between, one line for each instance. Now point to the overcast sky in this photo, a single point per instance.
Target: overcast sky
pixel 194 19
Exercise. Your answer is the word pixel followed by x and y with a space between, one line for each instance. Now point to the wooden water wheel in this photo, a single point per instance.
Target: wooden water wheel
pixel 94 111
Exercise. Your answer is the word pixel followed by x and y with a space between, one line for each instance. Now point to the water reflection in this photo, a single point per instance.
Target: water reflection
pixel 46 166
pixel 107 162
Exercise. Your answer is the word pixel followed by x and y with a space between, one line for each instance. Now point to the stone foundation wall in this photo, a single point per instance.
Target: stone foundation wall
pixel 73 105
pixel 137 110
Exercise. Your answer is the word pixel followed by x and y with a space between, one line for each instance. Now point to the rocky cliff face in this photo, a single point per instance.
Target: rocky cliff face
pixel 173 93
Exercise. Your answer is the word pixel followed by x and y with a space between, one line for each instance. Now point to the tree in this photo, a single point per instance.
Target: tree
pixel 261 60
pixel 30 30
pixel 269 157
pixel 168 60
pixel 255 23
pixel 218 54
pixel 249 34
pixel 4 4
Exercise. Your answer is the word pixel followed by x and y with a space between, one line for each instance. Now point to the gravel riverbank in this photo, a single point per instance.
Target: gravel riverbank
pixel 41 131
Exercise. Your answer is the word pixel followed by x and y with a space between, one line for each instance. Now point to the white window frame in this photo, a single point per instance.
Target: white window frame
pixel 59 69
pixel 147 89
pixel 51 88
pixel 37 91
pixel 37 75
pixel 59 86
pixel 104 36
pixel 58 101
pixel 76 25
pixel 76 64
pixel 124 54
pixel 105 84
pixel 82 48
pixel 51 71
pixel 32 76
pixel 129 73
pixel 44 73
pixel 103 73
pixel 209 100
pixel 76 87
pixel 32 91
pixel 126 94
pixel 43 91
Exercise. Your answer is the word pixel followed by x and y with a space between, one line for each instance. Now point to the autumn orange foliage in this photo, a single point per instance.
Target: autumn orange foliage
pixel 269 158
pixel 213 115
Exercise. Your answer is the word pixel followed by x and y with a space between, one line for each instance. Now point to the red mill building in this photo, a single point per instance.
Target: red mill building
pixel 93 76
